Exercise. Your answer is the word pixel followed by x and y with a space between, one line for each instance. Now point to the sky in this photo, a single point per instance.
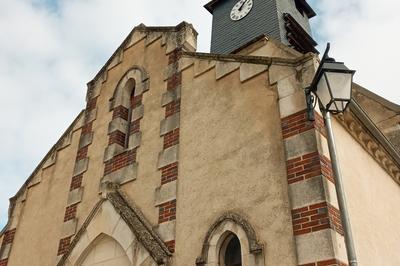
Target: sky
pixel 50 49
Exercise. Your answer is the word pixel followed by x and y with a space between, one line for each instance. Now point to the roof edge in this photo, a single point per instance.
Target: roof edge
pixel 38 167
pixel 142 28
pixel 390 105
pixel 359 112
pixel 252 59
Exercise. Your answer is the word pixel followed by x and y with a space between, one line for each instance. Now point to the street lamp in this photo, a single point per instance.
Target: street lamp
pixel 332 86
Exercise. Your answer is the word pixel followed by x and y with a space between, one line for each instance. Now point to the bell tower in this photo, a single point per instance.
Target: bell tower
pixel 237 22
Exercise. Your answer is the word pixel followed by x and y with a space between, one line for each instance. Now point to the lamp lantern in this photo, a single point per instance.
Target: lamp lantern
pixel 333 86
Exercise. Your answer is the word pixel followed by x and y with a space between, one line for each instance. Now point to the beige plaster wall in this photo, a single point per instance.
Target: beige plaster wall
pixel 231 159
pixel 373 200
pixel 40 223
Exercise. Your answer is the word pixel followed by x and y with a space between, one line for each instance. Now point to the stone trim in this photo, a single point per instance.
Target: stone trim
pixel 168 156
pixel 171 96
pixel 75 196
pixel 166 231
pixel 134 140
pixel 170 123
pixel 85 140
pixel 122 176
pixel 137 113
pixel 81 166
pixel 117 124
pixel 165 193
pixel 216 231
pixel 112 150
pixel 311 191
pixel 69 228
pixel 317 246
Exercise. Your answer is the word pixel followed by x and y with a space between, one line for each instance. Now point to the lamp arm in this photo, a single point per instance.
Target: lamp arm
pixel 324 58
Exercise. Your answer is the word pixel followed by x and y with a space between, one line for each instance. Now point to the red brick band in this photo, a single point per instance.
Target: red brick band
pixel 316 217
pixel 120 161
pixel 8 239
pixel 331 262
pixel 167 211
pixel 169 173
pixel 170 245
pixel 297 123
pixel 70 212
pixel 64 245
pixel 308 166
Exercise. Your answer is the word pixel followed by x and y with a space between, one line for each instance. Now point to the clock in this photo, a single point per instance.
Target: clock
pixel 241 9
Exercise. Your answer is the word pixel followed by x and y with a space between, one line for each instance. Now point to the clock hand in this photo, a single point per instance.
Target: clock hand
pixel 244 2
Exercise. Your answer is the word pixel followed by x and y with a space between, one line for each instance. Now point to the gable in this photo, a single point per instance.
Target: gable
pixel 124 228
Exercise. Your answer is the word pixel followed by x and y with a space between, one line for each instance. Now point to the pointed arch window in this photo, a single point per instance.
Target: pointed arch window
pixel 230 253
pixel 231 241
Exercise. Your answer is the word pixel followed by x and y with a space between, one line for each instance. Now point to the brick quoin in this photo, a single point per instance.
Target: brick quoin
pixel 174 81
pixel 135 127
pixel 319 124
pixel 76 182
pixel 297 123
pixel 170 245
pixel 87 128
pixel 121 160
pixel 3 262
pixel 169 173
pixel 316 217
pixel 172 108
pixel 171 138
pixel 70 212
pixel 308 166
pixel 64 245
pixel 331 262
pixel 91 104
pixel 117 137
pixel 120 112
pixel 167 211
pixel 82 153
pixel 9 237
pixel 175 56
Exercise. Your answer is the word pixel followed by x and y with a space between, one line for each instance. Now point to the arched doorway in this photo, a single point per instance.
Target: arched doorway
pixel 104 251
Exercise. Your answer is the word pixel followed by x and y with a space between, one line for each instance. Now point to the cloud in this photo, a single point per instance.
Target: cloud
pixel 363 34
pixel 49 49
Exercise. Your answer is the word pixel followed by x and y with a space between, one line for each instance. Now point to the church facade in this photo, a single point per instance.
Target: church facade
pixel 183 158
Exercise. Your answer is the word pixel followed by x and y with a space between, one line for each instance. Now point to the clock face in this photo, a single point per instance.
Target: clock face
pixel 241 9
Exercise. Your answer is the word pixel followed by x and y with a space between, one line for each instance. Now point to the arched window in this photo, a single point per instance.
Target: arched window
pixel 130 84
pixel 231 241
pixel 230 252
